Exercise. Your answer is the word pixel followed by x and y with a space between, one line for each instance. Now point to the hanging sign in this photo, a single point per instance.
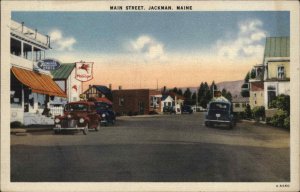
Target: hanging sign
pixel 48 64
pixel 84 71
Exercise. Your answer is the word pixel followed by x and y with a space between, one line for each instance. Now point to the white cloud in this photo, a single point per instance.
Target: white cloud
pixel 248 41
pixel 147 46
pixel 60 42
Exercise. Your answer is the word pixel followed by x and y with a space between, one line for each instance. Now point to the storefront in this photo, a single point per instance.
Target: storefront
pixel 31 88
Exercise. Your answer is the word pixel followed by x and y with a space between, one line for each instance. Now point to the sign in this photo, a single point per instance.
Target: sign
pixel 48 64
pixel 84 71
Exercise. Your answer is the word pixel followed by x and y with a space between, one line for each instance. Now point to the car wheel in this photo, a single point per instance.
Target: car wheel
pixel 230 125
pixel 86 129
pixel 98 127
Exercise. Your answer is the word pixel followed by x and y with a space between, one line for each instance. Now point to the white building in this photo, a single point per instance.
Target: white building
pixel 277 68
pixel 64 77
pixel 31 88
pixel 167 101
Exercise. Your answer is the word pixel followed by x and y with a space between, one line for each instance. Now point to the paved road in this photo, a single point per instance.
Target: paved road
pixel 155 148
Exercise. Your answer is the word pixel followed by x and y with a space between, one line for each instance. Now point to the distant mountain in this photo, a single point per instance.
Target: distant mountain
pixel 234 87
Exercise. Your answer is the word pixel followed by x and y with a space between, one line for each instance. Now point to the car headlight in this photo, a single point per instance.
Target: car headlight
pixel 57 120
pixel 69 116
pixel 81 120
pixel 103 115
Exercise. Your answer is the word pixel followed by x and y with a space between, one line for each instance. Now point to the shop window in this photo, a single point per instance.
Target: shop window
pixel 154 101
pixel 27 51
pixel 280 72
pixel 121 101
pixel 15 47
pixel 41 99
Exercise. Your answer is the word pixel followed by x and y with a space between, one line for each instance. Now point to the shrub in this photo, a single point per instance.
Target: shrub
pixel 259 112
pixel 279 118
pixel 248 112
pixel 286 123
pixel 16 124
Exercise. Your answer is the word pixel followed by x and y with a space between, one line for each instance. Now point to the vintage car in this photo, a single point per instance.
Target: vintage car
pixel 186 109
pixel 108 116
pixel 81 116
pixel 219 111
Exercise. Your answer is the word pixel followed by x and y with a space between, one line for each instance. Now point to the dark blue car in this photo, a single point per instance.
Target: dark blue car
pixel 108 116
pixel 186 109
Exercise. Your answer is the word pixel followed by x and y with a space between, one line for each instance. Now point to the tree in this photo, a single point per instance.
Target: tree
pixel 245 92
pixel 179 92
pixel 187 94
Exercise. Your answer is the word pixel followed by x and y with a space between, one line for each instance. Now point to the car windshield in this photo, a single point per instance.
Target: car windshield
pixel 219 106
pixel 102 106
pixel 76 107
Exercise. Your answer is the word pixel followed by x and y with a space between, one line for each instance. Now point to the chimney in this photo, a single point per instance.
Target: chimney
pixel 109 86
pixel 120 87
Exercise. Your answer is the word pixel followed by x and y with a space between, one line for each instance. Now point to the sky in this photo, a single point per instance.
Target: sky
pixel 173 49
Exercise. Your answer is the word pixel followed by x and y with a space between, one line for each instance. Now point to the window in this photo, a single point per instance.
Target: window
pixel 254 94
pixel 271 94
pixel 237 105
pixel 121 101
pixel 27 51
pixel 280 72
pixel 15 47
pixel 154 101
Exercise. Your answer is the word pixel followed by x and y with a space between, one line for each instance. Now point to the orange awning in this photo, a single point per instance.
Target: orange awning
pixel 39 83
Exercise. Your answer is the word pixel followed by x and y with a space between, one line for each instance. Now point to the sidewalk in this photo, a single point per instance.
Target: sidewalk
pixel 33 128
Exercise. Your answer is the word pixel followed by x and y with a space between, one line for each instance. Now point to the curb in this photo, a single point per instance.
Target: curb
pixel 24 131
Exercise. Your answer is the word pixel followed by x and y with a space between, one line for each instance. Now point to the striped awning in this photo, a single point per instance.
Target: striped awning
pixel 39 83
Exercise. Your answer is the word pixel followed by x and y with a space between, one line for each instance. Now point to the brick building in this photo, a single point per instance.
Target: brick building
pixel 136 101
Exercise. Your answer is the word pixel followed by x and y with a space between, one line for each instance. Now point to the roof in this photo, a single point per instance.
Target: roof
pixel 64 71
pixel 219 99
pixel 164 97
pixel 39 83
pixel 277 47
pixel 103 89
pixel 240 100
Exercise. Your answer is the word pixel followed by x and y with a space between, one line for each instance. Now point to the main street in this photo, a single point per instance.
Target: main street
pixel 162 148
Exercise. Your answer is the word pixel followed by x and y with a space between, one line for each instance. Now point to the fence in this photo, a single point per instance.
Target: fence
pixel 56 111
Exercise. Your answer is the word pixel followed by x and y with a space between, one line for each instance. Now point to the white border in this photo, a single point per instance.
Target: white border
pixel 7 7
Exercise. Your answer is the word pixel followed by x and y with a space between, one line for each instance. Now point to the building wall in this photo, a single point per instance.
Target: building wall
pixel 129 101
pixel 273 69
pixel 256 94
pixel 239 106
pixel 73 94
pixel 256 99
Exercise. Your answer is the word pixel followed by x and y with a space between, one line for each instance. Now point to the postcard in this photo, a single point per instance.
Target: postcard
pixel 150 96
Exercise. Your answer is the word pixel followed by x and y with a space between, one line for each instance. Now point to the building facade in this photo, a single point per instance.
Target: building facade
pixel 64 77
pixel 277 68
pixel 98 91
pixel 31 88
pixel 136 101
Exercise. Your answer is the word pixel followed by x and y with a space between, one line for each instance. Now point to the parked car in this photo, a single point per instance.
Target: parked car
pixel 219 112
pixel 80 116
pixel 186 109
pixel 108 116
